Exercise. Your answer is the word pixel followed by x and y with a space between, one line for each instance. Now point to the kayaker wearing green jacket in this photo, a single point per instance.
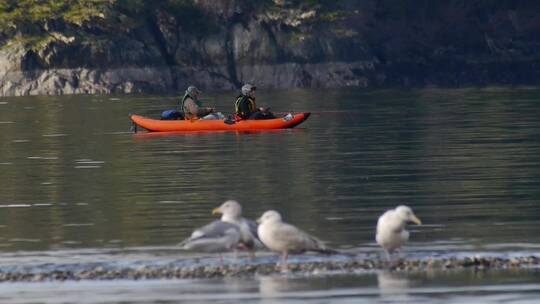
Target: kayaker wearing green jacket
pixel 192 106
pixel 245 106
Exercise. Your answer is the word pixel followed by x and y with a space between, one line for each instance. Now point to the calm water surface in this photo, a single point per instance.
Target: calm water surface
pixel 79 189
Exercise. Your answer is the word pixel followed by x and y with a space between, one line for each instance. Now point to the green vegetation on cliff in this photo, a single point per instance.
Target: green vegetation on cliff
pixel 35 24
pixel 30 15
pixel 32 21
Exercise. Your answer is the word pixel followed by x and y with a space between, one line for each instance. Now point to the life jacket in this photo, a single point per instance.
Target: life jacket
pixel 252 106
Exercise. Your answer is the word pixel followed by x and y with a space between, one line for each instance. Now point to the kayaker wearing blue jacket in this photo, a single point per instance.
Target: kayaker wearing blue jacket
pixel 246 108
pixel 192 106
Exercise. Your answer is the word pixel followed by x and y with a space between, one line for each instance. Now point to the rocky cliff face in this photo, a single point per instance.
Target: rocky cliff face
pixel 163 46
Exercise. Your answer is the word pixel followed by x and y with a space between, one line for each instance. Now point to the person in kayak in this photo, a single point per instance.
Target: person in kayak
pixel 192 106
pixel 246 108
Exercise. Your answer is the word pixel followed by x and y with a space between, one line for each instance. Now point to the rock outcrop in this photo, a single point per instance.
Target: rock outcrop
pixel 162 46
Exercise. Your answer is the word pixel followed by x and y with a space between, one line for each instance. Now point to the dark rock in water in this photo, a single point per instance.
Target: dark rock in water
pixel 162 46
pixel 207 271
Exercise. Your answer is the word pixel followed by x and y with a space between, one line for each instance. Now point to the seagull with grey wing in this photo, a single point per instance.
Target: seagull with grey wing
pixel 391 232
pixel 285 238
pixel 231 212
pixel 230 233
pixel 218 236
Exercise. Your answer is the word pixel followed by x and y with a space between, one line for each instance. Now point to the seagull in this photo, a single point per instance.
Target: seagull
pixel 218 236
pixel 391 233
pixel 285 238
pixel 231 212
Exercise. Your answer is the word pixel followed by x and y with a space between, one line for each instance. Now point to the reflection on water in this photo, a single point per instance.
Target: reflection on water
pixel 270 286
pixel 393 286
pixel 460 287
pixel 467 161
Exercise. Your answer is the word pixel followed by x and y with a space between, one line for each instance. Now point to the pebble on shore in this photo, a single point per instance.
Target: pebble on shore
pixel 204 272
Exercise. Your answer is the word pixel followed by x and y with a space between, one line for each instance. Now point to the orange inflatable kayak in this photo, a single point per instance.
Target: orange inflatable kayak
pixel 156 125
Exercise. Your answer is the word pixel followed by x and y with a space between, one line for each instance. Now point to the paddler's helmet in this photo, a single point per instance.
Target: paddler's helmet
pixel 192 90
pixel 247 89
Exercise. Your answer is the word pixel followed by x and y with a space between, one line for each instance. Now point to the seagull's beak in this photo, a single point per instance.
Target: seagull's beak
pixel 216 211
pixel 259 220
pixel 416 220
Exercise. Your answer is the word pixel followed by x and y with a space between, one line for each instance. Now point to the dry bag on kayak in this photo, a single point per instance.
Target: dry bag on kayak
pixel 172 115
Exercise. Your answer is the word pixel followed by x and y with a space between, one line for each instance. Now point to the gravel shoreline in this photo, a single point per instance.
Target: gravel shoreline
pixel 205 272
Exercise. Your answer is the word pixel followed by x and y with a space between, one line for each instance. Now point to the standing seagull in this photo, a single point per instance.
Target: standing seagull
pixel 391 233
pixel 231 212
pixel 285 238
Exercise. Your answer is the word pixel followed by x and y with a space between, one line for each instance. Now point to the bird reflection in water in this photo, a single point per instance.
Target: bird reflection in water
pixel 272 286
pixel 393 286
